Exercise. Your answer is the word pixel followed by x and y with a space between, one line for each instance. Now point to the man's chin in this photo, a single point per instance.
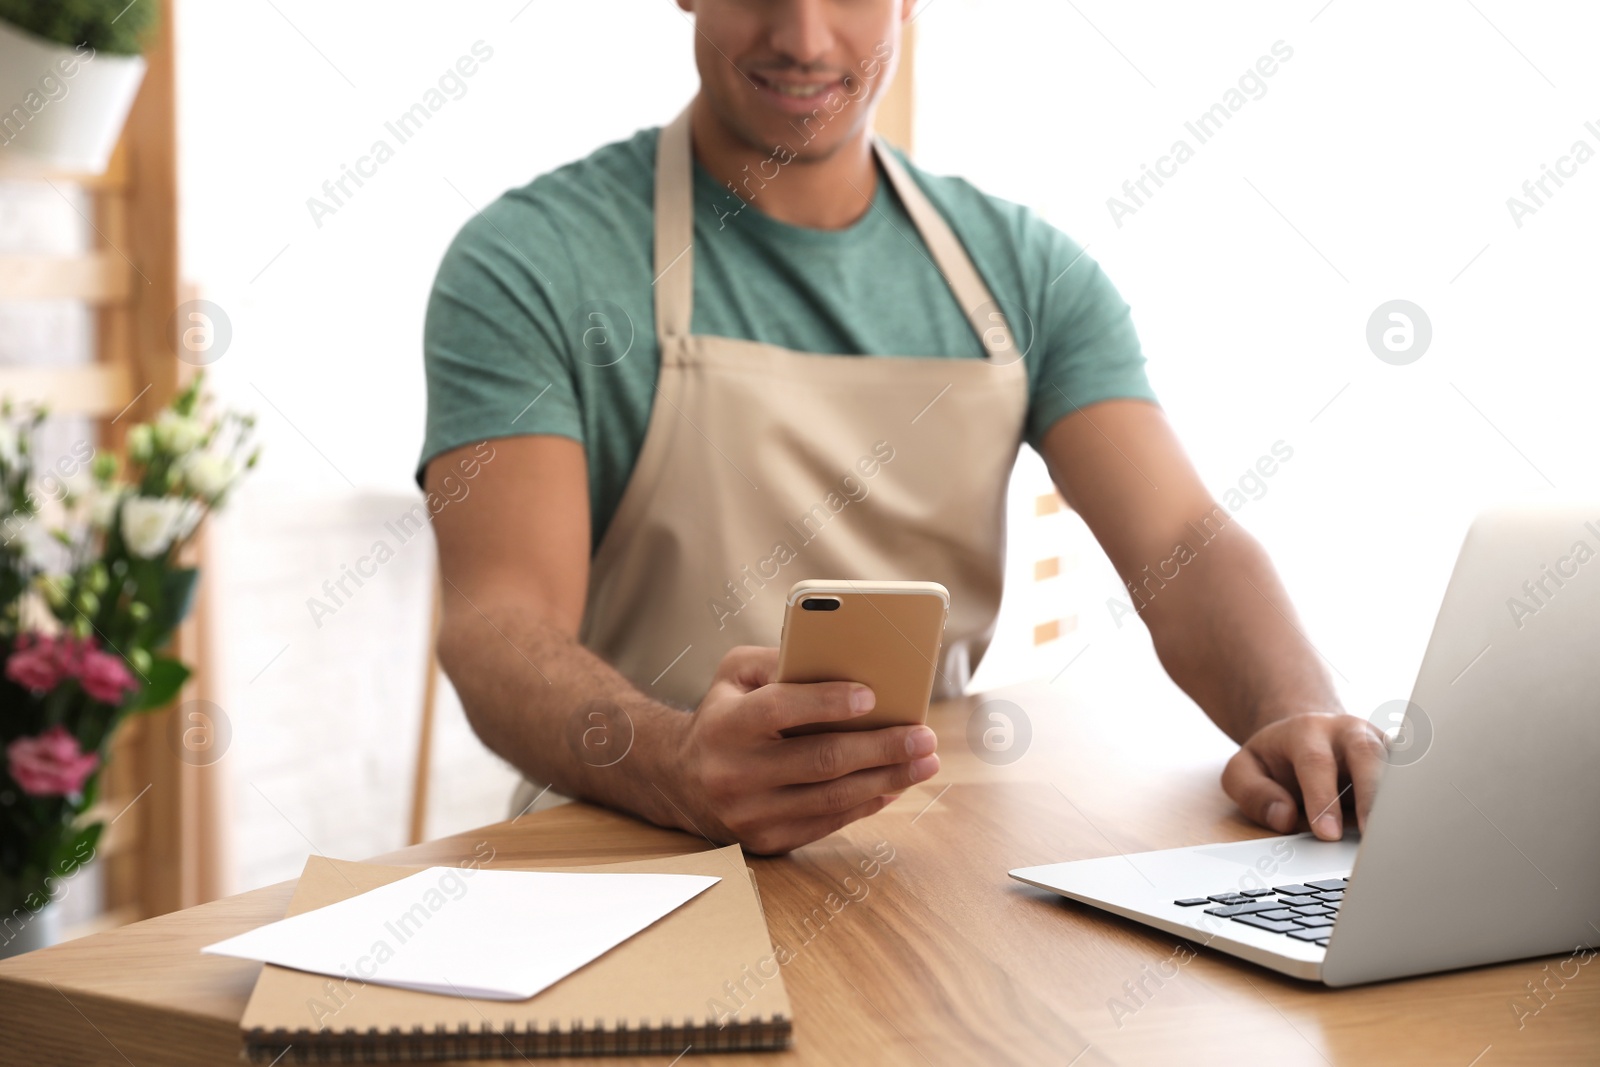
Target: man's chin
pixel 790 139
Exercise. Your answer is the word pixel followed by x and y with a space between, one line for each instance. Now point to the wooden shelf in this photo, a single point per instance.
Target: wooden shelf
pixel 98 390
pixel 14 167
pixel 102 277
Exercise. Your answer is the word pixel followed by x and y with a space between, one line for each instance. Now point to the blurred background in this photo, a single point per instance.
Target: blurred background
pixel 1374 165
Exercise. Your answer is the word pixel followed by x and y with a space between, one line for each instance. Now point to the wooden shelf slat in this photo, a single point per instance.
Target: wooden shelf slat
pixel 102 277
pixel 15 167
pixel 97 390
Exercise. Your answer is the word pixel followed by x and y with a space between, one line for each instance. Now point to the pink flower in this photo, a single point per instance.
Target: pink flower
pixel 40 663
pixel 69 654
pixel 35 664
pixel 50 765
pixel 104 676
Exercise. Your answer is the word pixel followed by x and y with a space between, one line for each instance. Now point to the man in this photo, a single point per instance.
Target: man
pixel 751 348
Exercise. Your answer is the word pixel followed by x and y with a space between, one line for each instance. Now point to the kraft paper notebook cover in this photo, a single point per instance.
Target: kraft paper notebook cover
pixel 698 977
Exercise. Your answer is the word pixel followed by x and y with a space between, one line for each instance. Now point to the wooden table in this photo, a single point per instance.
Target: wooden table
pixel 938 959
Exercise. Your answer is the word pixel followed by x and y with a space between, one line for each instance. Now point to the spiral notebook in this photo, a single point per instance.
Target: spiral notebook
pixel 703 977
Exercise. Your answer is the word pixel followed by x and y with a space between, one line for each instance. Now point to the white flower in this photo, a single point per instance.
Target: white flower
pixel 103 508
pixel 209 474
pixel 178 434
pixel 41 549
pixel 29 534
pixel 149 524
pixel 77 485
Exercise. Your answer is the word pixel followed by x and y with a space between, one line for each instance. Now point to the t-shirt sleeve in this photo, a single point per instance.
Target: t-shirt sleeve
pixel 1087 346
pixel 494 350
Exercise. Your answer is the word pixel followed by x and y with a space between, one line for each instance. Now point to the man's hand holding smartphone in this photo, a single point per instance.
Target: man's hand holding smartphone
pixel 791 744
pixel 743 781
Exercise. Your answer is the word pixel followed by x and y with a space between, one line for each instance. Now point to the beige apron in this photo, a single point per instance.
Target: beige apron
pixel 762 466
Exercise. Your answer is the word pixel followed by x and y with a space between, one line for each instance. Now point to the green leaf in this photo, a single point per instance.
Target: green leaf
pixel 166 676
pixel 91 788
pixel 75 850
pixel 173 602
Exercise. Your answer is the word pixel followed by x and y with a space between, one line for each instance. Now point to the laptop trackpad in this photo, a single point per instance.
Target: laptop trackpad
pixel 1288 858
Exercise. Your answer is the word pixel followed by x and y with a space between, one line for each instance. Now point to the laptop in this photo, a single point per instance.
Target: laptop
pixel 1482 843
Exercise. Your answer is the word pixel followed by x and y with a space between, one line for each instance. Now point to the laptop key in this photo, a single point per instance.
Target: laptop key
pixel 1255 892
pixel 1281 915
pixel 1292 901
pixel 1319 936
pixel 1228 898
pixel 1315 909
pixel 1293 890
pixel 1314 920
pixel 1270 925
pixel 1330 898
pixel 1250 908
pixel 1329 885
pixel 1191 902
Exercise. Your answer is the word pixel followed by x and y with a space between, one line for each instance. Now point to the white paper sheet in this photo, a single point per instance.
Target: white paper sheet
pixel 496 935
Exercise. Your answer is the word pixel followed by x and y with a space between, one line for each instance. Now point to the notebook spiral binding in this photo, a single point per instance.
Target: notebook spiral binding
pixel 465 1042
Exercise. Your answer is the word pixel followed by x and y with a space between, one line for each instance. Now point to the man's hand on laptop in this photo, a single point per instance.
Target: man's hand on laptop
pixel 1315 762
pixel 740 780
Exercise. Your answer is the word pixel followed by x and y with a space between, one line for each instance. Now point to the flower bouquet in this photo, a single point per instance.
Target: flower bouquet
pixel 91 591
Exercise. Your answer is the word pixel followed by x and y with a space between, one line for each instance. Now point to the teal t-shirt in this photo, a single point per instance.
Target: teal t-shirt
pixel 541 319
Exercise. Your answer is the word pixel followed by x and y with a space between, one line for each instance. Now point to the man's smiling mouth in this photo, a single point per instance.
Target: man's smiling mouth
pixel 795 88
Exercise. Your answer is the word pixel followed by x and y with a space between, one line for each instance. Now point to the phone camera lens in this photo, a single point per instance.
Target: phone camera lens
pixel 820 603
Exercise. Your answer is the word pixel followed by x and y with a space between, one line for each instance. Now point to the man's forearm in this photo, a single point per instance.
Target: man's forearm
pixel 1227 634
pixel 559 713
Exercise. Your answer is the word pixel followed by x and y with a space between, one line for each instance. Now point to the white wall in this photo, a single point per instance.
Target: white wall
pixel 1391 142
pixel 328 320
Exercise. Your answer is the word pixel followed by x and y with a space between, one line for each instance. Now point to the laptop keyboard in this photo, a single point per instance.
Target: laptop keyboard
pixel 1303 910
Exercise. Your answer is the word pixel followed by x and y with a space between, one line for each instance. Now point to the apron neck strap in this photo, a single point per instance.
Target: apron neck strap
pixel 950 256
pixel 674 246
pixel 674 243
